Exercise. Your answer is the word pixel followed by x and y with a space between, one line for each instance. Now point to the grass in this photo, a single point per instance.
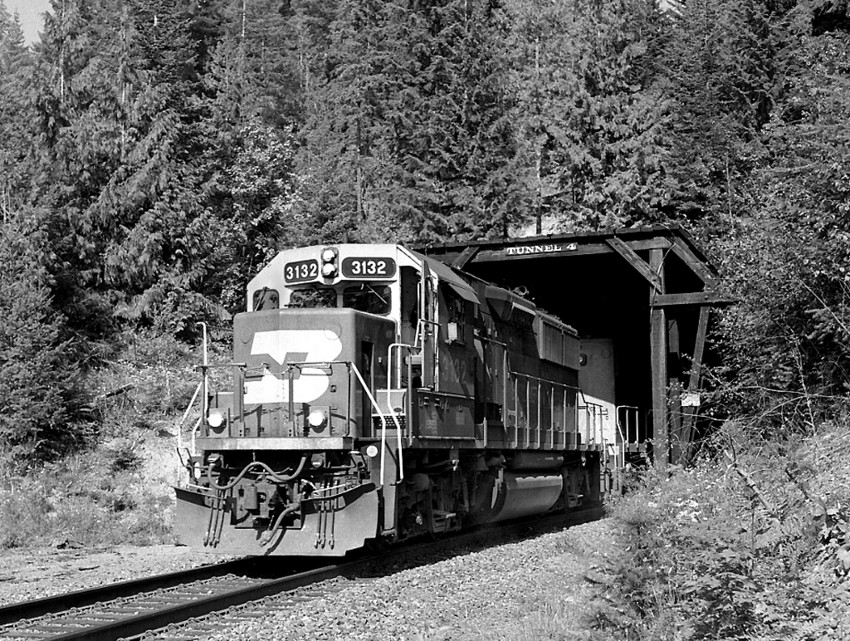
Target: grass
pixel 91 499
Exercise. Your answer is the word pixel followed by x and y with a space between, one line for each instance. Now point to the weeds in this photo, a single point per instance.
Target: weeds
pixel 119 491
pixel 87 500
pixel 750 543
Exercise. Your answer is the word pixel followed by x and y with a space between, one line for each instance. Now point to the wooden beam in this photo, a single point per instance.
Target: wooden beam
pixel 681 249
pixel 699 347
pixel 658 367
pixel 562 249
pixel 465 256
pixel 635 261
pixel 691 298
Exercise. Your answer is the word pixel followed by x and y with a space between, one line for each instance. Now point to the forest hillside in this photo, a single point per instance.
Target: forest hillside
pixel 155 153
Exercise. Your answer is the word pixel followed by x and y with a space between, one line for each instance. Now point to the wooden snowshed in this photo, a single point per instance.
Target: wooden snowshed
pixel 645 291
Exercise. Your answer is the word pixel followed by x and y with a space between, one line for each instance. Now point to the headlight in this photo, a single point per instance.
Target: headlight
pixel 215 419
pixel 316 418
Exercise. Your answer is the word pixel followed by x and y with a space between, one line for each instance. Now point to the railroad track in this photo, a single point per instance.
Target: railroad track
pixel 133 608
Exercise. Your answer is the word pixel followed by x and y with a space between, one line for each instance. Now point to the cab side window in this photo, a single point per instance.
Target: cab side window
pixel 409 304
pixel 455 316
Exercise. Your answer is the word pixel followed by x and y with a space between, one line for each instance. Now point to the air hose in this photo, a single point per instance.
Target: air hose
pixel 274 475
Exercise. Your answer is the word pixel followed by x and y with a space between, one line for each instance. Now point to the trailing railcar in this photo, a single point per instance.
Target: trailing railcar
pixel 378 394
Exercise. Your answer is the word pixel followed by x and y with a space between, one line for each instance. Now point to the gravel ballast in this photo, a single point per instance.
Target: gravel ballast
pixel 542 587
pixel 36 573
pixel 539 588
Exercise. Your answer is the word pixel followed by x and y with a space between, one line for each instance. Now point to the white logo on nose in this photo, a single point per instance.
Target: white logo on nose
pixel 316 345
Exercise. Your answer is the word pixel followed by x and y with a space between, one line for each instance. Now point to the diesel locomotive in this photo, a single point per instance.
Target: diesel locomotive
pixel 378 394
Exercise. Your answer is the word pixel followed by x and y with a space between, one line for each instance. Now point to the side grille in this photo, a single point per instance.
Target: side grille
pixel 376 422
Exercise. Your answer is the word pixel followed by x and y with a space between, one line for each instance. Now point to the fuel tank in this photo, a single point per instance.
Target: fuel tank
pixel 524 494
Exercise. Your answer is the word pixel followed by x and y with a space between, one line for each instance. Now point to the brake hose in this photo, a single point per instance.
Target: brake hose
pixel 274 475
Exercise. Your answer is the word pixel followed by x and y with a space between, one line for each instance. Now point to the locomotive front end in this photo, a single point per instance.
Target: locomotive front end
pixel 289 460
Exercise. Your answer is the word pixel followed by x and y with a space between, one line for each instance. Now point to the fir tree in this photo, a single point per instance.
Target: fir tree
pixel 590 121
pixel 16 116
pixel 721 74
pixel 408 127
pixel 39 384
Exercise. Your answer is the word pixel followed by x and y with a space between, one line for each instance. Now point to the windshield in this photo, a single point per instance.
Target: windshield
pixel 313 297
pixel 374 299
pixel 266 298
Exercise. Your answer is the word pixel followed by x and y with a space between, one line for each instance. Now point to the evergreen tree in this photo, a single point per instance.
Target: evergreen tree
pixel 590 121
pixel 122 153
pixel 39 384
pixel 788 258
pixel 721 73
pixel 250 98
pixel 16 116
pixel 408 128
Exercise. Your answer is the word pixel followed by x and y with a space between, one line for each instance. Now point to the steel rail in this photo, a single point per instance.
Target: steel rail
pixel 15 612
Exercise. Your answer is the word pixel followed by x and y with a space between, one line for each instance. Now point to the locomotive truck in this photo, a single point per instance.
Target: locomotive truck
pixel 378 394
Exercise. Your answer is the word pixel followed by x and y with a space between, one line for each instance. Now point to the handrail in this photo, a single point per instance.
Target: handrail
pixel 539 416
pixel 408 408
pixel 420 333
pixel 238 387
pixel 625 437
pixel 504 347
pixel 185 416
pixel 596 423
pixel 383 427
pixel 194 451
pixel 206 378
pixel 538 428
pixel 391 363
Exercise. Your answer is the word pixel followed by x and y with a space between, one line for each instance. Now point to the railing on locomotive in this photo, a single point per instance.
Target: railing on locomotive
pixel 352 368
pixel 594 415
pixel 627 422
pixel 567 392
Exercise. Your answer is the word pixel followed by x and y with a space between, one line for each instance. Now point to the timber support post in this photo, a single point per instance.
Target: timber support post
pixel 658 367
pixel 690 412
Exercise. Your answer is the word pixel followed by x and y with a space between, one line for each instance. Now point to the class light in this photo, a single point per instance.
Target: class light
pixel 372 451
pixel 330 262
pixel 215 419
